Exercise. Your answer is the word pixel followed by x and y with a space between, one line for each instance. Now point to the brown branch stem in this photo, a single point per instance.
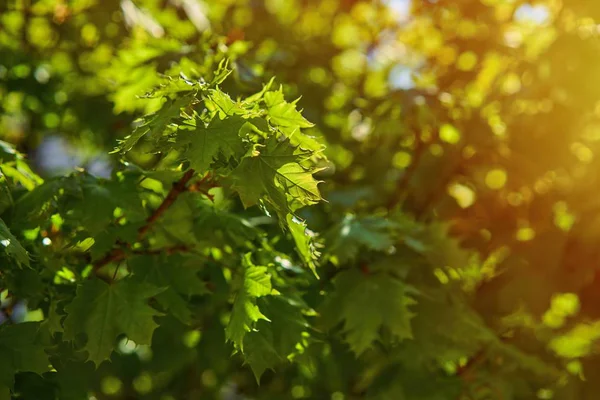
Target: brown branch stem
pixel 179 187
pixel 119 254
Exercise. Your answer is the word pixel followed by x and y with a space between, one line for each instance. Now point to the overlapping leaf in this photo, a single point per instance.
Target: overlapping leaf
pixel 366 304
pixel 11 245
pixel 103 312
pixel 256 282
pixel 21 350
pixel 277 173
pixel 155 125
pixel 179 277
pixel 204 143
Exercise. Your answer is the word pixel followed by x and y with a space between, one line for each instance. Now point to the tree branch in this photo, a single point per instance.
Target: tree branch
pixel 119 254
pixel 178 187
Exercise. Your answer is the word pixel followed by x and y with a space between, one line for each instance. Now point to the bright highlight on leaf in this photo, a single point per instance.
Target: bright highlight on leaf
pixel 256 282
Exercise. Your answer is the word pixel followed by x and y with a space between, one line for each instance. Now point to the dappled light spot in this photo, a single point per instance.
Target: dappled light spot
pixel 449 134
pixel 566 304
pixel 51 120
pixel 401 11
pixel 111 385
pixel 349 64
pixel 545 394
pixel 209 378
pixel 34 315
pixel 563 219
pixel 447 55
pixel 553 320
pixel 299 392
pixel 89 34
pixel 562 306
pixel 436 150
pixel 542 186
pixel 401 159
pixel 337 396
pixel 537 14
pixel 42 73
pixel 318 75
pixel 192 338
pixel 515 199
pixel 441 275
pixel 582 152
pixel 347 33
pixel 64 275
pixel 143 383
pixel 144 352
pixel 127 346
pixel 496 178
pixel 467 61
pixel 465 196
pixel 400 77
pixel 575 367
pixel 468 152
pixel 578 341
pixel 525 234
pixel 511 84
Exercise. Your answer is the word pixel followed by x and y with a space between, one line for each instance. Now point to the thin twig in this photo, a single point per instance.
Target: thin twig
pixel 119 254
pixel 178 188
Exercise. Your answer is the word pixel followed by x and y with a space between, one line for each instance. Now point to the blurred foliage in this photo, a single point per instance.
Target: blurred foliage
pixel 163 166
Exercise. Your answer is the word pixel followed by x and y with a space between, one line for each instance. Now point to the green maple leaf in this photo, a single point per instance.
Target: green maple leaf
pixel 284 114
pixel 20 351
pixel 270 343
pixel 154 125
pixel 178 274
pixel 354 234
pixel 103 312
pixel 205 143
pixel 365 304
pixel 287 322
pixel 103 197
pixel 53 321
pixel 174 87
pixel 224 104
pixel 245 313
pixel 445 250
pixel 276 172
pixel 237 229
pixel 260 353
pixel 6 199
pixel 304 240
pixel 11 245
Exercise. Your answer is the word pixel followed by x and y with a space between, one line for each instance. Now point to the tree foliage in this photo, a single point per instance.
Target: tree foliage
pixel 331 199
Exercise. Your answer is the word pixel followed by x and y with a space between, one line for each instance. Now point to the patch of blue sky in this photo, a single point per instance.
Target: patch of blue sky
pixel 401 8
pixel 400 78
pixel 538 14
